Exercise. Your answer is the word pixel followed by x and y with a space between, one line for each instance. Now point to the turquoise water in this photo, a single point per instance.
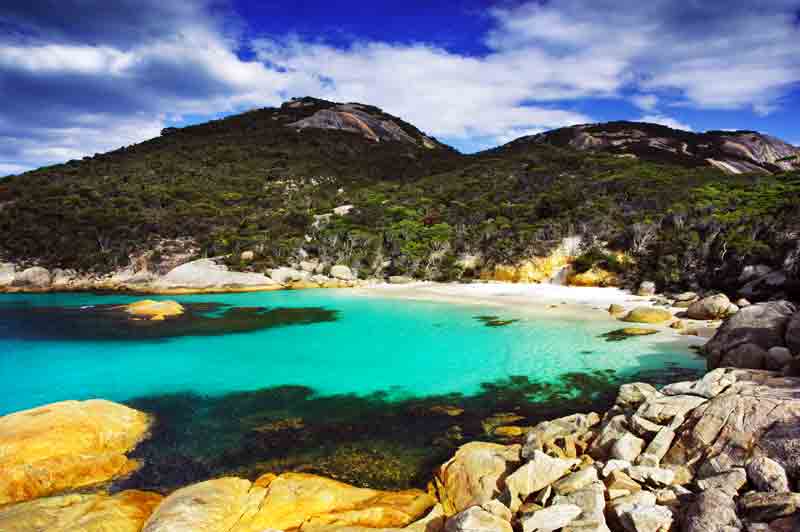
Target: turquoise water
pixel 405 349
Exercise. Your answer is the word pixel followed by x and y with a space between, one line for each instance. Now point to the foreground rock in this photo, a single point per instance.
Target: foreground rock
pixel 710 308
pixel 124 512
pixel 66 445
pixel 475 475
pixel 292 501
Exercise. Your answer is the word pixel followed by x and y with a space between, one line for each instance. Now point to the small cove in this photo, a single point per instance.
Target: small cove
pixel 354 388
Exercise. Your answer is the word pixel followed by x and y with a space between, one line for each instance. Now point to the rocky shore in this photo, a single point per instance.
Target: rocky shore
pixel 721 453
pixel 202 276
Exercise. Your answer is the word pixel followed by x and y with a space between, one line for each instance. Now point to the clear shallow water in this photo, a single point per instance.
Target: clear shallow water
pixel 335 384
pixel 408 349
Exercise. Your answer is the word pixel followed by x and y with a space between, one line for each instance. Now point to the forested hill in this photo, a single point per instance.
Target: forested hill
pixel 268 181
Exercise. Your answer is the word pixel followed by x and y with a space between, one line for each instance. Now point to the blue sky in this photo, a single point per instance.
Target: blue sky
pixel 84 76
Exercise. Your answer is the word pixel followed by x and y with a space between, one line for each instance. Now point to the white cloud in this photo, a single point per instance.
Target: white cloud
pixel 647 102
pixel 665 121
pixel 150 59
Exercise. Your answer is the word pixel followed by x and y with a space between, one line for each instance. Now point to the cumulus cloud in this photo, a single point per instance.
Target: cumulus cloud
pixel 113 73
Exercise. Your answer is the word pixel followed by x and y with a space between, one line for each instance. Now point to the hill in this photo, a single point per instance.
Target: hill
pixel 350 184
pixel 733 152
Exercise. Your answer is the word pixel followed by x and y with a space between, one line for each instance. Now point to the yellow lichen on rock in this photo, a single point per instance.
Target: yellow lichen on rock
pixel 594 277
pixel 292 501
pixel 647 315
pixel 155 310
pixel 66 445
pixel 100 512
pixel 534 270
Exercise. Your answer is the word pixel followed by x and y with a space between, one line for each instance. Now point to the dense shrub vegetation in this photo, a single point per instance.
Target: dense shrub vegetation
pixel 248 182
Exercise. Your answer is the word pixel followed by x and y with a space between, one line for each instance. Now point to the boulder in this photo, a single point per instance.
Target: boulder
pixel 631 395
pixel 247 256
pixel 762 324
pixel 753 272
pixel 729 481
pixel 615 309
pixel 7 271
pixel 747 356
pixel 342 273
pixel 552 518
pixel 627 448
pixel 646 289
pixel 742 302
pixel 614 465
pixel 767 287
pixel 309 266
pixel 712 511
pixel 126 511
pixel 400 279
pixel 653 476
pixel 285 275
pixel 475 475
pixel 686 296
pixel 759 412
pixel 647 315
pixel 793 334
pixel 642 427
pixel 760 507
pixel 575 481
pixel 767 475
pixel 342 210
pixel 657 447
pixel 710 308
pixel 476 519
pixel 574 426
pixel 777 358
pixel 665 408
pixel 292 501
pixel 711 385
pixel 208 274
pixel 541 471
pixel 645 518
pixel 66 445
pixel 36 277
pixel 591 500
pixel 614 429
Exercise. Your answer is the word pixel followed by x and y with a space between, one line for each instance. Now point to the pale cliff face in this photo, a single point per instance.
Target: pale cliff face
pixel 733 152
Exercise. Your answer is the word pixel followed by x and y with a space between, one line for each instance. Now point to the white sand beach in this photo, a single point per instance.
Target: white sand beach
pixel 544 300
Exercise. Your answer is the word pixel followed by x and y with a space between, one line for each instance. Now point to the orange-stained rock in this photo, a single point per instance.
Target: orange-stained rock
pixel 594 277
pixel 123 512
pixel 292 501
pixel 155 310
pixel 66 445
pixel 475 475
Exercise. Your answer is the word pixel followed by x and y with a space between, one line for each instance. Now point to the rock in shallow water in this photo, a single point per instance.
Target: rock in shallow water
pixel 66 445
pixel 647 315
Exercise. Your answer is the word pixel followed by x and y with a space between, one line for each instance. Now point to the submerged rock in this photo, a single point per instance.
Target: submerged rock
pixel 66 445
pixel 154 310
pixel 126 511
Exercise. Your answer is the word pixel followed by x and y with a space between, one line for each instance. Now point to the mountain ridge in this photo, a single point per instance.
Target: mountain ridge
pixel 369 190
